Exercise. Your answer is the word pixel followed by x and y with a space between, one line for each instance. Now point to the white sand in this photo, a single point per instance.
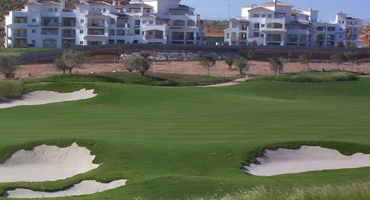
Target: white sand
pixel 47 163
pixel 304 159
pixel 83 188
pixel 45 97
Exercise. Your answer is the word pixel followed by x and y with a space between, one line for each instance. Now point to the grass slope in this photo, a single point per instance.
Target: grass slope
pixel 183 143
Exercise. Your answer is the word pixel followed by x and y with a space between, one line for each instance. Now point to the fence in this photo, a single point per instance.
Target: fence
pixel 262 52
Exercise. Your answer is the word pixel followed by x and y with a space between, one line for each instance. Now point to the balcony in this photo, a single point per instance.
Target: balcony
pixel 68 35
pixel 20 34
pixel 100 25
pixel 20 20
pixel 95 32
pixel 273 38
pixel 53 33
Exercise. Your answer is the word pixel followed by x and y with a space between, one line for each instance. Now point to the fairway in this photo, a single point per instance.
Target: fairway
pixel 189 142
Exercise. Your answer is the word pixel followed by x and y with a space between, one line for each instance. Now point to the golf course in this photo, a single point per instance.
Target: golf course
pixel 191 142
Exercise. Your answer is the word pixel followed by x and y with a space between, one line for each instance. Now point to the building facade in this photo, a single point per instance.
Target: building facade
pixel 45 23
pixel 278 24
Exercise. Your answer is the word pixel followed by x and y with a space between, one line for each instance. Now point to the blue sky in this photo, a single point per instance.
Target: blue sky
pixel 218 9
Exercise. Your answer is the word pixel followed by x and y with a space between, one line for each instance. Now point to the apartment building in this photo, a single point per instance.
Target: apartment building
pixel 45 23
pixel 278 24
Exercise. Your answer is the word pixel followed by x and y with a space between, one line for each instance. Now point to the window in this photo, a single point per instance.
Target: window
pixel 33 30
pixel 256 34
pixel 137 22
pixel 331 28
pixel 262 25
pixel 33 20
pixel 355 30
pixel 104 10
pixel 144 21
pixel 81 42
pixel 151 22
pixel 262 35
pixel 147 11
pixel 256 25
pixel 55 9
pixel 33 41
pixel 227 35
pixel 50 9
pixel 263 15
pixel 81 31
pixel 82 21
pixel 340 36
pixel 256 15
pixel 137 31
pixel 269 16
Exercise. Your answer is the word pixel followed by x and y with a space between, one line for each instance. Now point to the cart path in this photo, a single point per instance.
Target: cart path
pixel 234 82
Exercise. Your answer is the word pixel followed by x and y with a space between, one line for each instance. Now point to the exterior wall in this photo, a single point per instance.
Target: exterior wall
pixel 271 25
pixel 46 25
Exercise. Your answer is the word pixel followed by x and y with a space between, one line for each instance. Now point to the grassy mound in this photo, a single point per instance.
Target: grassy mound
pixel 310 76
pixel 135 79
pixel 10 89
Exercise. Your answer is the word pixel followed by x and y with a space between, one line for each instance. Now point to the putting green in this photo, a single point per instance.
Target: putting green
pixel 181 143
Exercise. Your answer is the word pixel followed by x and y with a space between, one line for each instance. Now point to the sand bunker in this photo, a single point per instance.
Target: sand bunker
pixel 83 188
pixel 47 163
pixel 304 159
pixel 45 97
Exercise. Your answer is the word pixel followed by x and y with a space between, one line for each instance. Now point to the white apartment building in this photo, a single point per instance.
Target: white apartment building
pixel 45 23
pixel 278 24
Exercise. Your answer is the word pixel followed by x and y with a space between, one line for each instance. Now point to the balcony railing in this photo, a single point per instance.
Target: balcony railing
pixel 95 25
pixel 121 25
pixel 273 39
pixel 49 33
pixel 20 34
pixel 154 37
pixel 50 24
pixel 71 35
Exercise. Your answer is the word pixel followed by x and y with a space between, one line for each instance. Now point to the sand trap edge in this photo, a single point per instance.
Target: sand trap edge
pixel 86 187
pixel 46 97
pixel 304 159
pixel 40 163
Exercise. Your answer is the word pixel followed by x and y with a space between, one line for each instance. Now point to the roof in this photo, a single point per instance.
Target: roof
pixel 95 3
pixel 298 12
pixel 298 23
pixel 342 13
pixel 277 3
pixel 138 5
pixel 261 9
pixel 45 2
pixel 353 18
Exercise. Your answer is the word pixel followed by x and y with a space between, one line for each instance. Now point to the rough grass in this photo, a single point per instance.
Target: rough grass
pixel 310 76
pixel 189 142
pixel 135 79
pixel 10 89
pixel 358 190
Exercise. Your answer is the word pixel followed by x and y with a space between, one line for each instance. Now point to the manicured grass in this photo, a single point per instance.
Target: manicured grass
pixel 310 76
pixel 190 142
pixel 22 50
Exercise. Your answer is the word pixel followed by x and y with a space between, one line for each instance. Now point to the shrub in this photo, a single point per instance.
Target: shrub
pixel 309 77
pixel 11 89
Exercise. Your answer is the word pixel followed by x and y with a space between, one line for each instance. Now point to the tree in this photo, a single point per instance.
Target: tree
pixel 207 62
pixel 250 55
pixel 229 61
pixel 305 59
pixel 277 64
pixel 69 60
pixel 337 58
pixel 60 65
pixel 351 56
pixel 137 63
pixel 241 63
pixel 8 65
pixel 145 54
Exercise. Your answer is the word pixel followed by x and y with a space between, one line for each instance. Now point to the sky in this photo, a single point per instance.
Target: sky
pixel 219 10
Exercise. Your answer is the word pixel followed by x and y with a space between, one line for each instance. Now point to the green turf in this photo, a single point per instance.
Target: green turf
pixel 187 142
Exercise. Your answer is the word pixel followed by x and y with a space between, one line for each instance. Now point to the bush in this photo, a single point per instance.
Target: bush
pixel 310 77
pixel 11 89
